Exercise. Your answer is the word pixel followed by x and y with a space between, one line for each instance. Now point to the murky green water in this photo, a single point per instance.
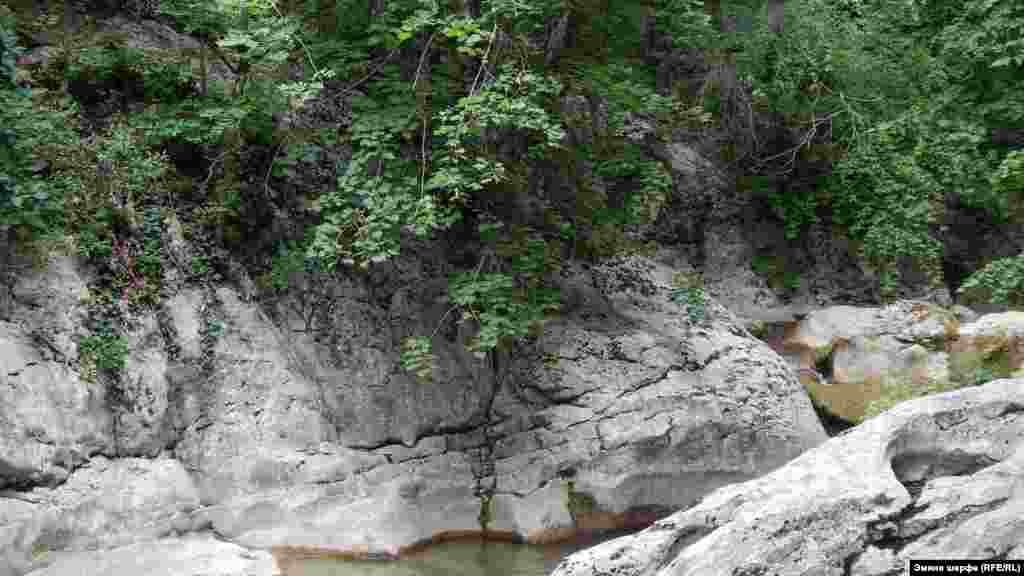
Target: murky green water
pixel 460 558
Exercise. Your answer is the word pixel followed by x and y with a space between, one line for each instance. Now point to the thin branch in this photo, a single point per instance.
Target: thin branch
pixel 213 165
pixel 483 62
pixel 423 156
pixel 806 140
pixel 423 137
pixel 441 321
pixel 309 54
pixel 266 179
pixel 223 58
pixel 352 88
pixel 423 56
pixel 476 274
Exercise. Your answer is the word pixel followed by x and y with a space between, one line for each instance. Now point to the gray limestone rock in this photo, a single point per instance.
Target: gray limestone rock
pixel 282 431
pixel 185 556
pixel 935 477
pixel 51 419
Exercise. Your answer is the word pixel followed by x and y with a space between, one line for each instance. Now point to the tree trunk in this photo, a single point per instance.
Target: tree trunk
pixel 376 8
pixel 557 39
pixel 327 17
pixel 455 60
pixel 203 66
pixel 724 70
pixel 776 16
pixel 66 39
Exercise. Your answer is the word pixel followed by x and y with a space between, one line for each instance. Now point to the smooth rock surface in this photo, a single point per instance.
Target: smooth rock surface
pixel 935 477
pixel 188 556
pixel 105 503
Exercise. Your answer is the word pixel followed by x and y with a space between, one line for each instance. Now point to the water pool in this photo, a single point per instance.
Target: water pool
pixel 457 558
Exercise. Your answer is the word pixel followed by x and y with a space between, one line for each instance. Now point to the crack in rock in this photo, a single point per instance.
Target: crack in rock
pixel 14 373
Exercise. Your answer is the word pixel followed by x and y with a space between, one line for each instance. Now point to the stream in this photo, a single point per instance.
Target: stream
pixel 457 558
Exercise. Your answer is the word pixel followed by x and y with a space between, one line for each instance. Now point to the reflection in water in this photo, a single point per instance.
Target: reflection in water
pixel 460 558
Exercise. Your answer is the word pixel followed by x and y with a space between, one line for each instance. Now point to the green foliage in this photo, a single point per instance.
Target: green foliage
pixel 9 50
pixel 890 101
pixel 686 22
pixel 773 269
pixel 104 348
pixel 507 305
pixel 364 218
pixel 192 120
pixel 513 101
pixel 983 44
pixel 150 259
pixel 689 292
pixel 641 184
pixel 489 300
pixel 1000 281
pixel 35 133
pixel 905 93
pixel 1008 179
pixel 648 186
pixel 204 18
pixel 890 189
pixel 896 391
pixel 983 375
pixel 37 130
pixel 155 76
pixel 132 171
pixel 417 357
pixel 201 266
pixel 799 209
pixel 978 365
pixel 289 262
pixel 94 239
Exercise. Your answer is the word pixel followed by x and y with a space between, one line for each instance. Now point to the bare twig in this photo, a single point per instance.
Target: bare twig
pixel 805 141
pixel 423 56
pixel 266 179
pixel 423 137
pixel 213 166
pixel 483 62
pixel 352 88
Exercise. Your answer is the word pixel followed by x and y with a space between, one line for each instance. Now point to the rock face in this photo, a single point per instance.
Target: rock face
pixel 935 477
pixel 657 408
pixel 272 436
pixel 51 419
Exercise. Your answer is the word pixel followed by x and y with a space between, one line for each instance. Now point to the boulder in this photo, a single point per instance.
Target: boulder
pixel 991 346
pixel 935 477
pixel 871 355
pixel 587 430
pixel 639 409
